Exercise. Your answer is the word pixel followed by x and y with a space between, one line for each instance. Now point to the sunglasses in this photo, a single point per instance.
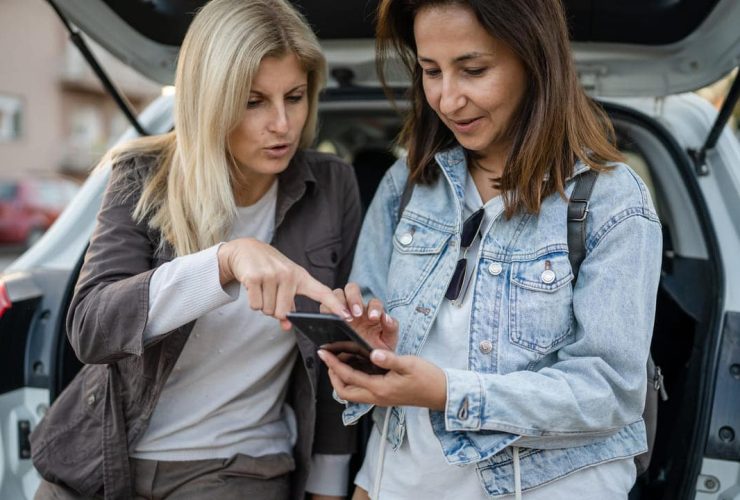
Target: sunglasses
pixel 471 229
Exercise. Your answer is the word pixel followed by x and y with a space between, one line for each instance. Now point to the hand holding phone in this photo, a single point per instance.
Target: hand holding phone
pixel 369 320
pixel 330 332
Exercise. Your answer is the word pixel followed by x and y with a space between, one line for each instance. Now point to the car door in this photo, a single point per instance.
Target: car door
pixel 36 360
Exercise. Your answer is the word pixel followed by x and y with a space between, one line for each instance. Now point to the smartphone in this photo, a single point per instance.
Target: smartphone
pixel 331 333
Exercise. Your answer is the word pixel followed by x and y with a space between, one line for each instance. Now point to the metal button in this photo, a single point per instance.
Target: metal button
pixel 495 268
pixel 547 276
pixel 91 400
pixel 486 346
pixel 406 239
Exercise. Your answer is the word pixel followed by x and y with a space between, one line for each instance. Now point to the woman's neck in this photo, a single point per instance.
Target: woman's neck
pixel 486 172
pixel 249 189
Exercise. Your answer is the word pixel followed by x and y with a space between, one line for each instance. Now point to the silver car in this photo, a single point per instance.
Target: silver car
pixel 638 59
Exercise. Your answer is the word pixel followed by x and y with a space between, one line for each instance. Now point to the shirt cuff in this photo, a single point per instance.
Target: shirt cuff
pixel 465 400
pixel 329 475
pixel 337 398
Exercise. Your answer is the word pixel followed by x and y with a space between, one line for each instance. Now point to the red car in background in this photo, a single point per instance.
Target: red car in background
pixel 28 206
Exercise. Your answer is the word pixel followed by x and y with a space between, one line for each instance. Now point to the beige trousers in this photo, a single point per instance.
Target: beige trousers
pixel 237 478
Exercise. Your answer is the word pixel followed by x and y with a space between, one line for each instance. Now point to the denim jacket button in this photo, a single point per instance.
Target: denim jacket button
pixel 406 239
pixel 547 276
pixel 495 268
pixel 486 346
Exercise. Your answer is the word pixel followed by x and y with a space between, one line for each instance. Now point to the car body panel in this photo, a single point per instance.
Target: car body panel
pixel 719 480
pixel 607 68
pixel 18 478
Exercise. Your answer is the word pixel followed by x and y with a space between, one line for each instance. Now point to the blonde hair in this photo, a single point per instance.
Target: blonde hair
pixel 189 197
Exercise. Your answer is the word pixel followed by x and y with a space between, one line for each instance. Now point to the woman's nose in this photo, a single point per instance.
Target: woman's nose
pixel 279 123
pixel 451 98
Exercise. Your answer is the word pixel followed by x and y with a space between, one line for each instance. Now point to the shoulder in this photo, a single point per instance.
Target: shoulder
pixel 324 165
pixel 619 195
pixel 398 173
pixel 130 174
pixel 623 188
pixel 132 171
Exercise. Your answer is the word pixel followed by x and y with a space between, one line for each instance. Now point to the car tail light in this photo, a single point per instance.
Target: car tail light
pixel 5 302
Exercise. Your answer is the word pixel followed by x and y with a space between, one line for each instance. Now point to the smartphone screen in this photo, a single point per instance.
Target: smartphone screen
pixel 331 333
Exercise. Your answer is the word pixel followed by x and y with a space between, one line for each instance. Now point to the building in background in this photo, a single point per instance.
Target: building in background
pixel 55 116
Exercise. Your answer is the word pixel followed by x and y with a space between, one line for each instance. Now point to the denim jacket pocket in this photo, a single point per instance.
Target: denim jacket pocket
pixel 541 303
pixel 416 250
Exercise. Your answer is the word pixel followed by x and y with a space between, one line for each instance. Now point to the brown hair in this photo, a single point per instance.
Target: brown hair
pixel 556 123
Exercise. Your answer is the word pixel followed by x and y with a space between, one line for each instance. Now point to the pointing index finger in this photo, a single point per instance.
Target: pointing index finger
pixel 313 289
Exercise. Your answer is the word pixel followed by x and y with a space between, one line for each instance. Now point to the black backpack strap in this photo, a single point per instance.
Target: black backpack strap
pixel 577 213
pixel 408 190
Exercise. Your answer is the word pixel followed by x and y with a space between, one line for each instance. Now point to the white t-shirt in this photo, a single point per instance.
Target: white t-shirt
pixel 226 394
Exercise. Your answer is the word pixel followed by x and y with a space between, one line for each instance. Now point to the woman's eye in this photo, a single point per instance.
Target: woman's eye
pixel 253 103
pixel 432 72
pixel 295 98
pixel 475 71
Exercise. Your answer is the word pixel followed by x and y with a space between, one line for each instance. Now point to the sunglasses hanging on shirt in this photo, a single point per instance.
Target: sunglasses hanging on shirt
pixel 470 230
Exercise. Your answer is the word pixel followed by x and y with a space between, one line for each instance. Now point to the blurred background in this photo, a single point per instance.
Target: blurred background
pixel 56 120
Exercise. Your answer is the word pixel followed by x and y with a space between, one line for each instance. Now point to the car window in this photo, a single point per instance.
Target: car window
pixel 53 194
pixel 8 191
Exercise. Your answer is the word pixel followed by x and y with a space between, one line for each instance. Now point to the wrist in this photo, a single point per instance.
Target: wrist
pixel 223 255
pixel 439 399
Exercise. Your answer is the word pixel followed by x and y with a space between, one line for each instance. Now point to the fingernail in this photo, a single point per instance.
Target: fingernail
pixel 357 310
pixel 347 316
pixel 320 354
pixel 388 319
pixel 373 314
pixel 377 355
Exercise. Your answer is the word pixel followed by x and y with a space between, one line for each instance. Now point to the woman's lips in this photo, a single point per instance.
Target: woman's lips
pixel 277 151
pixel 464 126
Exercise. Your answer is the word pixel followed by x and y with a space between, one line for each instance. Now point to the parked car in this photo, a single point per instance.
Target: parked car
pixel 29 206
pixel 636 58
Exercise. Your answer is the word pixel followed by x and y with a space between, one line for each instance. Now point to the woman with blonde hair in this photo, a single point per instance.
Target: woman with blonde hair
pixel 207 237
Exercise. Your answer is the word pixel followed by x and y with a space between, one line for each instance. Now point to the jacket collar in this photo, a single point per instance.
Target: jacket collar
pixel 293 182
pixel 578 169
pixel 454 164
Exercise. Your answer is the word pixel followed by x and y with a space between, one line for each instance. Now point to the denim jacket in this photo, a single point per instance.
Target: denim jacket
pixel 554 369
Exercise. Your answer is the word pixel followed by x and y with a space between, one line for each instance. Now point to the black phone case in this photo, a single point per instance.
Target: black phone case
pixel 333 334
pixel 325 329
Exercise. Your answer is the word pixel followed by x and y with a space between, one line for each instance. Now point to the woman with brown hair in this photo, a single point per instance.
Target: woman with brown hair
pixel 507 376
